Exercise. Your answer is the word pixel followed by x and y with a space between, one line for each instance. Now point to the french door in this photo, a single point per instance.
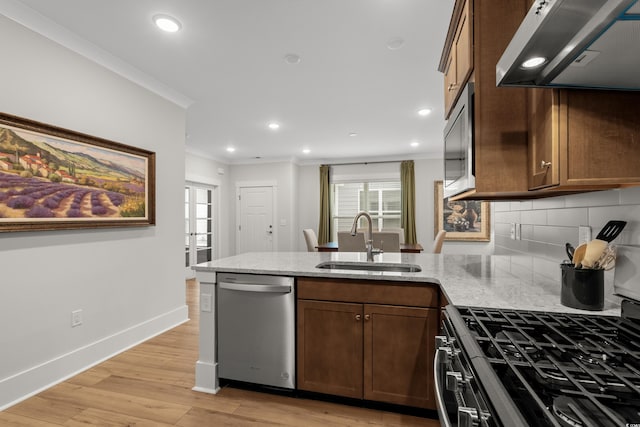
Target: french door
pixel 199 224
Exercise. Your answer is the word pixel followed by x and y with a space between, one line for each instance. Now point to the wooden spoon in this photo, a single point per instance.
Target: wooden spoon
pixel 578 255
pixel 595 248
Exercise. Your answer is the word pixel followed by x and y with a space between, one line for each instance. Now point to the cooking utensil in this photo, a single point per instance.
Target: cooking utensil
pixel 594 251
pixel 611 230
pixel 607 260
pixel 578 255
pixel 570 250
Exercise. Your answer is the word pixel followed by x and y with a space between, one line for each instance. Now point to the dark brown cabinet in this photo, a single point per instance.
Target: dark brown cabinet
pixel 459 61
pixel 583 139
pixel 500 114
pixel 370 341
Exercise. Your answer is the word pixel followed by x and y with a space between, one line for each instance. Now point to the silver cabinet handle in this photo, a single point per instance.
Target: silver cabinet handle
pixel 246 287
pixel 544 164
pixel 358 317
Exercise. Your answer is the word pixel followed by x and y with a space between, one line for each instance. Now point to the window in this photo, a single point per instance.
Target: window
pixel 381 199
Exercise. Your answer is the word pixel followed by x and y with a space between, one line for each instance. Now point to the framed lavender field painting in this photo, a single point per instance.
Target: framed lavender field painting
pixel 463 220
pixel 54 178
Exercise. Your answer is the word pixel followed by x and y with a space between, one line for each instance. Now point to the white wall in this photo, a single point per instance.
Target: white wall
pixel 129 282
pixel 284 175
pixel 210 172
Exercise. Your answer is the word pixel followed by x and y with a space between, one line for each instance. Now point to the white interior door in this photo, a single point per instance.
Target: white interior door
pixel 255 228
pixel 199 226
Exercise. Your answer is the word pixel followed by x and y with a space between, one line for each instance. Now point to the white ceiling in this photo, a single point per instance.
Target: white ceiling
pixel 227 65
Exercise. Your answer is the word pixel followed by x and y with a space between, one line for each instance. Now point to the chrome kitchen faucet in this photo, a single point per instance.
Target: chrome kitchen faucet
pixel 354 228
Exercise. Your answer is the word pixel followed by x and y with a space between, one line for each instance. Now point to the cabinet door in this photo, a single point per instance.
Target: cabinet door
pixel 599 138
pixel 543 138
pixel 450 90
pixel 330 348
pixel 399 347
pixel 463 48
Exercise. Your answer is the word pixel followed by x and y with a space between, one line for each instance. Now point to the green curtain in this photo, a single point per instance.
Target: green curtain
pixel 408 208
pixel 324 227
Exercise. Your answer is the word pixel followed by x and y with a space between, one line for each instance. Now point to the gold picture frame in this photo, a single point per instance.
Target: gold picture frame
pixel 465 220
pixel 53 178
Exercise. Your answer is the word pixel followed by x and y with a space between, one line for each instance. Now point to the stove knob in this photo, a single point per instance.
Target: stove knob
pixel 454 381
pixel 441 340
pixel 444 354
pixel 468 417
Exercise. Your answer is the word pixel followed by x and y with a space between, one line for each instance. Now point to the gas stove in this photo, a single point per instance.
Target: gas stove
pixel 502 367
pixel 559 369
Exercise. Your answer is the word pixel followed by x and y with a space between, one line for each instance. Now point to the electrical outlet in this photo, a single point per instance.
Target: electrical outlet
pixel 76 318
pixel 512 232
pixel 205 302
pixel 584 234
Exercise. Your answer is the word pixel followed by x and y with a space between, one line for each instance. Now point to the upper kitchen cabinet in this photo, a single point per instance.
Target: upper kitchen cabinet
pixel 581 140
pixel 499 114
pixel 458 54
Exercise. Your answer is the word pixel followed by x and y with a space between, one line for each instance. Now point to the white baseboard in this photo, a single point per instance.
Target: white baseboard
pixel 32 381
pixel 206 377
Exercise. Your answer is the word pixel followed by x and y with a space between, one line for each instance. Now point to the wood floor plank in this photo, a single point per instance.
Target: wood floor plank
pixel 150 385
pixel 97 417
pixel 15 420
pixel 91 397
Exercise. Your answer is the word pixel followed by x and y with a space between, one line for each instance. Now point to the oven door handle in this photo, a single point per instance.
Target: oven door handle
pixel 442 409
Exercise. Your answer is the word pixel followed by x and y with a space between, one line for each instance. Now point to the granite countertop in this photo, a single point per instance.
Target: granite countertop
pixel 496 281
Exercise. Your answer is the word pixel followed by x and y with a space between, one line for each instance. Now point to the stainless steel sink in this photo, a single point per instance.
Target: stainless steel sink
pixel 369 266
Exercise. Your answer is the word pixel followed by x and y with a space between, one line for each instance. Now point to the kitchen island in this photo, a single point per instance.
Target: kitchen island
pixel 509 282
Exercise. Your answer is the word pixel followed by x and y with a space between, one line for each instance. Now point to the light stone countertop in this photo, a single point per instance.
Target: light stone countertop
pixel 496 281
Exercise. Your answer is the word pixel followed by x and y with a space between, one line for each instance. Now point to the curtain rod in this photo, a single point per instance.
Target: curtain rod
pixel 363 163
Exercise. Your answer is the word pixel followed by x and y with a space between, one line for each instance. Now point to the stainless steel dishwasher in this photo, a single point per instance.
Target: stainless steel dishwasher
pixel 256 329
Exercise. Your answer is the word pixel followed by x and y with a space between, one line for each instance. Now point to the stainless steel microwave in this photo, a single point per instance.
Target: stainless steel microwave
pixel 459 173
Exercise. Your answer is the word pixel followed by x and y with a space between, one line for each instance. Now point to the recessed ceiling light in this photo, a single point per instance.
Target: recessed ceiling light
pixel 424 112
pixel 353 134
pixel 534 62
pixel 274 126
pixel 395 43
pixel 415 143
pixel 292 58
pixel 231 149
pixel 167 23
pixel 306 151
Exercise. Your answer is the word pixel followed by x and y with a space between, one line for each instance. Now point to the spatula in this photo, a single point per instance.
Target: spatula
pixel 611 230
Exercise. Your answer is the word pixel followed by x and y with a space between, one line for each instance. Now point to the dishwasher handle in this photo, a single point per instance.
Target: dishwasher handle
pixel 247 287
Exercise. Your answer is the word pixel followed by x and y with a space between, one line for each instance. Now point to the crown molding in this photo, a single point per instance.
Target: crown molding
pixel 44 26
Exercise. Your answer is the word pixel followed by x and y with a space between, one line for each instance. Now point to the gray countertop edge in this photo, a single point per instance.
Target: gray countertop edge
pixel 490 281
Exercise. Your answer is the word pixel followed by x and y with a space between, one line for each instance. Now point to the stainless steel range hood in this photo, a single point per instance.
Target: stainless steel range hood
pixel 584 43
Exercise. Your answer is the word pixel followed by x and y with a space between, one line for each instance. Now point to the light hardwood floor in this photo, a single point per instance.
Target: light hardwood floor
pixel 150 385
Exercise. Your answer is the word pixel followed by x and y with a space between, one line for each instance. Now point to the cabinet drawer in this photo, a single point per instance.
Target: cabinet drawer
pixel 368 291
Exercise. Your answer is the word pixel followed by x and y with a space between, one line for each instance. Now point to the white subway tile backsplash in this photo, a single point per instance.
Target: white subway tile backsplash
pixel 594 198
pixel 629 196
pixel 555 235
pixel 525 205
pixel 569 216
pixel 549 203
pixel 534 217
pixel 501 206
pixel 526 231
pixel 507 217
pixel 546 224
